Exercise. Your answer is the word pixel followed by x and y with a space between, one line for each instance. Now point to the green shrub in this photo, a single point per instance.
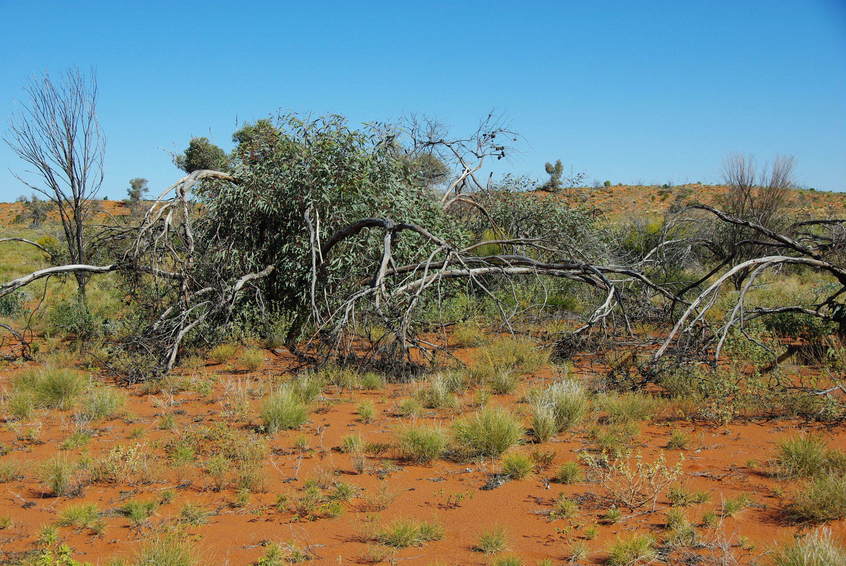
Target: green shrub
pixel 678 440
pixel 421 444
pixel 638 549
pixel 823 499
pixel 507 561
pixel 60 476
pixel 503 381
pixel 193 514
pixel 284 410
pixel 437 395
pixel 71 318
pixel 492 541
pixel 807 456
pixel 565 400
pixel 489 433
pixel 628 407
pixel 52 388
pixel 81 516
pixel 12 304
pixel 9 471
pixel 251 359
pixel 138 511
pixel 568 473
pixel 815 549
pixel 564 508
pixel 467 335
pixel 371 380
pixel 543 422
pixel 101 403
pixel 405 533
pixel 517 466
pixel 520 355
pixel 170 550
pixel 223 353
pixel 365 412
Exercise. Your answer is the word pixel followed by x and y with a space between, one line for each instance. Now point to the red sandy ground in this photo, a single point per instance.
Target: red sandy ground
pixel 726 461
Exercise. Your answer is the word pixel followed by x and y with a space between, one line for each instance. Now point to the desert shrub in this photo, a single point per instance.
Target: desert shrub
pixel 628 407
pixel 168 550
pixel 543 422
pixel 638 549
pixel 409 407
pixel 678 440
pixel 563 508
pixel 60 476
pixel 72 318
pixel 568 473
pixel 223 353
pixel 823 499
pixel 520 355
pixel 101 403
pixel 815 549
pixel 467 335
pixel 634 483
pixel 806 456
pixel 507 561
pixel 284 410
pixel 12 304
pixel 21 404
pixel 193 514
pixel 680 532
pixel 489 433
pixel 365 412
pixel 81 516
pixel 404 533
pixel 52 388
pixel 492 541
pixel 517 466
pixel 251 359
pixel 9 471
pixel 421 444
pixel 730 507
pixel 138 511
pixel 614 441
pixel 565 401
pixel 307 387
pixel 503 381
pixel 371 380
pixel 437 394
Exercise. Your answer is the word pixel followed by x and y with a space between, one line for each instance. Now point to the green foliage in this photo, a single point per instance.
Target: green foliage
pixel 517 466
pixel 628 407
pixel 638 549
pixel 814 549
pixel 421 444
pixel 284 409
pixel 488 433
pixel 60 476
pixel 12 304
pixel 822 499
pixel 404 533
pixel 81 516
pixel 138 511
pixel 137 189
pixel 168 550
pixel 492 541
pixel 568 473
pixel 554 171
pixel 558 408
pixel 72 318
pixel 807 456
pixel 336 174
pixel 202 154
pixel 101 402
pixel 51 388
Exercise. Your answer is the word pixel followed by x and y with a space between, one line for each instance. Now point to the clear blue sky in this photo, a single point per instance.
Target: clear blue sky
pixel 628 91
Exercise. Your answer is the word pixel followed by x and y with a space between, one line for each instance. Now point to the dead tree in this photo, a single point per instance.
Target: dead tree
pixel 58 136
pixel 812 244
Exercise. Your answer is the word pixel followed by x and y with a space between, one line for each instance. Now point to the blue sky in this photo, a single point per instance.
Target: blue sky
pixel 649 92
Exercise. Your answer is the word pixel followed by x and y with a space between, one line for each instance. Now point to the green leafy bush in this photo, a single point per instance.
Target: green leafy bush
pixel 489 432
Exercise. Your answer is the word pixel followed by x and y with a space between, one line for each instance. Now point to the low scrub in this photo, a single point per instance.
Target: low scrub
pixel 421 444
pixel 638 549
pixel 822 499
pixel 487 433
pixel 405 533
pixel 51 388
pixel 808 456
pixel 815 549
pixel 284 409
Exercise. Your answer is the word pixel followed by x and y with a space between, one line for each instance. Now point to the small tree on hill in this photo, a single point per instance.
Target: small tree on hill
pixel 555 171
pixel 137 188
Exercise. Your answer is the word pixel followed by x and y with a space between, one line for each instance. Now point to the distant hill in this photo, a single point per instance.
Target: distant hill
pixel 655 200
pixel 615 202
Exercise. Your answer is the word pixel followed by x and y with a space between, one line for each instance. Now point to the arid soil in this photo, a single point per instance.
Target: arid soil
pixel 724 461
